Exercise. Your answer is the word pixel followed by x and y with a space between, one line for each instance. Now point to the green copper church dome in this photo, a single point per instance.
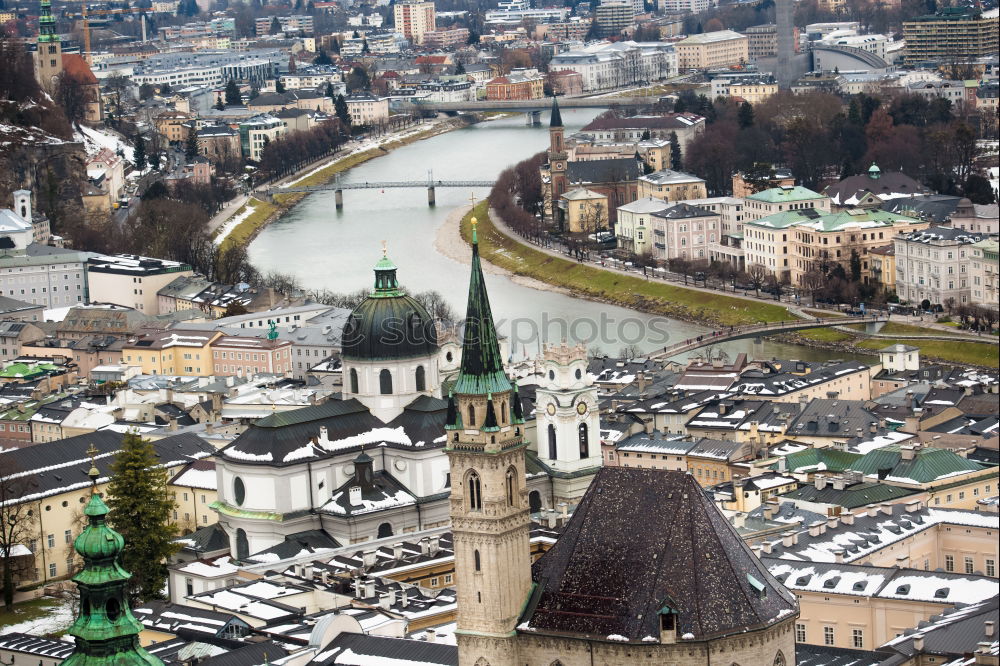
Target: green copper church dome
pixel 388 324
pixel 98 541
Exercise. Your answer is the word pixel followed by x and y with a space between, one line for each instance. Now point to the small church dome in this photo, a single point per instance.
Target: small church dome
pixel 388 324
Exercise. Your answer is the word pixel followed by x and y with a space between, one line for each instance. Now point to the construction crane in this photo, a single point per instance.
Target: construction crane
pixel 103 12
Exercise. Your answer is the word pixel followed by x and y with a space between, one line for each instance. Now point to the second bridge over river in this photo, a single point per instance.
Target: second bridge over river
pixel 338 188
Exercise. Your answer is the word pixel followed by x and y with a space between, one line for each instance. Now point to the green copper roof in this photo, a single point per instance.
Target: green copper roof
pixel 810 218
pixel 386 285
pixel 928 464
pixel 785 194
pixel 46 23
pixel 819 460
pixel 106 632
pixel 482 366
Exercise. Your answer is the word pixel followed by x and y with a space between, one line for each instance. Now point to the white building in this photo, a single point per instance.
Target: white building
pixel 366 108
pixel 634 227
pixel 934 265
pixel 604 65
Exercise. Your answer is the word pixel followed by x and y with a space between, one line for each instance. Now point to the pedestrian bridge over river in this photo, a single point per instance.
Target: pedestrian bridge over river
pixel 338 188
pixel 760 330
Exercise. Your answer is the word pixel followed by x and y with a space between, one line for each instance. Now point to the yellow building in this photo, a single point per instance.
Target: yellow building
pixel 171 352
pixel 753 92
pixel 883 266
pixel 671 185
pixel 57 494
pixel 585 211
pixel 721 48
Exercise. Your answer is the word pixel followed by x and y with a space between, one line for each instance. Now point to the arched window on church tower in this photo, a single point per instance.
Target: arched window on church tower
pixel 511 487
pixel 475 492
pixel 478 562
pixel 421 379
pixel 584 441
pixel 779 659
pixel 552 442
pixel 385 382
pixel 472 417
pixel 503 412
pixel 354 380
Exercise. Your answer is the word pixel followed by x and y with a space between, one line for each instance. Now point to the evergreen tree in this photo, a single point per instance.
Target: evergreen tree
pixel 140 510
pixel 233 97
pixel 340 108
pixel 322 58
pixel 139 153
pixel 855 266
pixel 459 69
pixel 191 145
pixel 279 87
pixel 745 117
pixel 165 89
pixel 365 49
pixel 473 37
pixel 275 26
pixel 220 105
pixel 329 90
pixel 154 160
pixel 646 136
pixel 358 79
pixel 675 152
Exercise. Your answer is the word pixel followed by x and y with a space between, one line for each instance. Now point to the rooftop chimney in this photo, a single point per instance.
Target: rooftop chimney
pixel 435 544
pixel 819 481
pixel 789 539
pixel 384 602
pixel 918 642
pixel 405 598
pixel 765 547
pixel 397 551
pixel 368 558
pixel 369 585
pixel 838 555
pixel 354 494
pixel 906 452
pixel 847 518
pixel 430 635
pixel 425 546
pixel 989 628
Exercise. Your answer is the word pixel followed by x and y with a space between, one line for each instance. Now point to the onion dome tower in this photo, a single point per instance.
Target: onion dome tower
pixel 48 55
pixel 389 348
pixel 106 632
pixel 489 507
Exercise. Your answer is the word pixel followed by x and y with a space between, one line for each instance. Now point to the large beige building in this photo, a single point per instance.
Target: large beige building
pixel 670 185
pixel 131 280
pixel 793 242
pixel 414 18
pixel 952 33
pixel 721 48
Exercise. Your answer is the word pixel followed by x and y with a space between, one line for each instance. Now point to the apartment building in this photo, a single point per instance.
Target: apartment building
pixel 793 242
pixel 984 273
pixel 634 229
pixel 289 24
pixel 670 185
pixel 414 18
pixel 605 65
pixel 257 132
pixel 611 17
pixel 131 280
pixel 763 40
pixel 683 231
pixel 721 48
pixel 171 352
pixel 367 108
pixel 446 38
pixel 933 264
pixel 953 32
pixel 244 356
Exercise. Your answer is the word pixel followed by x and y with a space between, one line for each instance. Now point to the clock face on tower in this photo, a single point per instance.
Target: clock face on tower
pixel 559 165
pixel 551 409
pixel 581 408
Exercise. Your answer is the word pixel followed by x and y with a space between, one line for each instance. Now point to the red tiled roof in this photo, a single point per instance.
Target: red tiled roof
pixel 432 60
pixel 74 65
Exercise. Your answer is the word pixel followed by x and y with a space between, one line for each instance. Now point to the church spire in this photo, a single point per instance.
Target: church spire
pixel 106 632
pixel 555 120
pixel 482 364
pixel 386 284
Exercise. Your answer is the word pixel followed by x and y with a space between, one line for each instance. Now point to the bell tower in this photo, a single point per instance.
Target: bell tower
pixel 489 505
pixel 106 632
pixel 48 56
pixel 557 154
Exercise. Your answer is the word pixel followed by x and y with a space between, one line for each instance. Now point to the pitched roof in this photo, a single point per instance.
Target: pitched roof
pixel 889 184
pixel 348 648
pixel 642 541
pixel 74 65
pixel 666 121
pixel 618 170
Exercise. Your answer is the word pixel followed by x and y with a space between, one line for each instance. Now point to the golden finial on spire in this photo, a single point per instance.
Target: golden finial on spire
pixel 385 249
pixel 92 472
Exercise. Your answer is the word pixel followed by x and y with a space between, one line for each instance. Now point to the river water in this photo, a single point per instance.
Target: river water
pixel 329 249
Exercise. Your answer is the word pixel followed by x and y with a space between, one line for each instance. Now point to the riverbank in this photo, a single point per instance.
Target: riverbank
pixel 637 293
pixel 256 214
pixel 515 258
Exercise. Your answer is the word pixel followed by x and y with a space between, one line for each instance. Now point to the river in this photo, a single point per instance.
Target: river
pixel 329 249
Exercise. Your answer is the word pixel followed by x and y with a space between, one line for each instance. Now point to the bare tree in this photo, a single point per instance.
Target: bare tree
pixel 756 275
pixel 17 521
pixel 813 280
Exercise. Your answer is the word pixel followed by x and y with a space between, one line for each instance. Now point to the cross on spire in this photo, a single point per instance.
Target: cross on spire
pixel 472 198
pixel 385 248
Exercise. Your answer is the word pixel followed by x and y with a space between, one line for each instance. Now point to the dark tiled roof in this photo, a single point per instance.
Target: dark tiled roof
pixel 360 648
pixel 667 121
pixel 821 655
pixel 891 182
pixel 254 653
pixel 208 539
pixel 955 633
pixel 619 170
pixel 41 647
pixel 641 540
pixel 937 207
pixel 850 497
pixel 192 621
pixel 294 544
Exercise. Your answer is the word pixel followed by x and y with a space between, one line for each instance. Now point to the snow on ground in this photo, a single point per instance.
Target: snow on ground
pixel 232 223
pixel 93 140
pixel 56 619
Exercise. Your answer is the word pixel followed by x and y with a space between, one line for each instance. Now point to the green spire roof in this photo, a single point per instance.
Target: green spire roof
pixel 106 632
pixel 386 285
pixel 46 23
pixel 555 120
pixel 874 172
pixel 482 366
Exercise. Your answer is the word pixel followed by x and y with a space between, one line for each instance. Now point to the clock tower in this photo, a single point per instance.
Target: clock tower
pixel 567 421
pixel 489 503
pixel 557 155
